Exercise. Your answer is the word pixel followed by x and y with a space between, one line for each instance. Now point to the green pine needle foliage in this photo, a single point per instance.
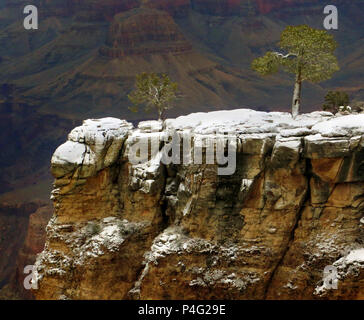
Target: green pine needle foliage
pixel 305 50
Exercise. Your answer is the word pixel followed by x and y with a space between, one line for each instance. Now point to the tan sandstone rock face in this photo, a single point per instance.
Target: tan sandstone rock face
pixel 294 205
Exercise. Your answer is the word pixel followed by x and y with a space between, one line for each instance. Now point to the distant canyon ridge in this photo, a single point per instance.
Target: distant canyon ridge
pixel 83 59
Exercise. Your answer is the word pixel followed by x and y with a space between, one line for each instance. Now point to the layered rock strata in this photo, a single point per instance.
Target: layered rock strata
pixel 143 32
pixel 293 206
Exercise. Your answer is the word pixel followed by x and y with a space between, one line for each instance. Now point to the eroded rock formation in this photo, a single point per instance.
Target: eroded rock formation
pixel 294 205
pixel 143 32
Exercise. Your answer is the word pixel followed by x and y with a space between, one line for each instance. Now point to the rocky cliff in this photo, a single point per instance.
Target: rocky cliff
pixel 159 229
pixel 22 237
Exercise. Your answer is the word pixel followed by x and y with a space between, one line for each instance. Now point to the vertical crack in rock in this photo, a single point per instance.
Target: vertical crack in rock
pixel 304 203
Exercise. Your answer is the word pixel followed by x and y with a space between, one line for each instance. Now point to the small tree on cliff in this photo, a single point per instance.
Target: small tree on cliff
pixel 308 53
pixel 334 100
pixel 155 92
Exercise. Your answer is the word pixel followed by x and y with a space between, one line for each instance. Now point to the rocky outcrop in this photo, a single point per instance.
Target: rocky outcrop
pixel 152 229
pixel 143 32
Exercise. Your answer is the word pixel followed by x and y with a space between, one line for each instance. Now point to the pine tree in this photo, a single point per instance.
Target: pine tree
pixel 308 54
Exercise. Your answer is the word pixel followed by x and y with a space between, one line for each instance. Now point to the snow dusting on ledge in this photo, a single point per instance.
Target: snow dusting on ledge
pixel 97 143
pixel 251 121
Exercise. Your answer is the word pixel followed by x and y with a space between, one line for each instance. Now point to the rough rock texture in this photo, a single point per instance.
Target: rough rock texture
pixel 13 228
pixel 22 237
pixel 294 205
pixel 33 245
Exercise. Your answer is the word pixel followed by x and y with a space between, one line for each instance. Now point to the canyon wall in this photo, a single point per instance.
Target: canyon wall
pixel 22 229
pixel 152 230
pixel 13 229
pixel 87 53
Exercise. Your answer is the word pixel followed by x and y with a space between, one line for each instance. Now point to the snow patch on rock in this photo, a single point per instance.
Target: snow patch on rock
pixel 351 265
pixel 350 125
pixel 245 121
pixel 94 145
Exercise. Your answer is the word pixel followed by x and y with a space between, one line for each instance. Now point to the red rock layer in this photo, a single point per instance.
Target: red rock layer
pixel 144 31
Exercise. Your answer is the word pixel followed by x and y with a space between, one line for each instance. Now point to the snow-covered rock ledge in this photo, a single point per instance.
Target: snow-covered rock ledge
pixel 97 143
pixel 93 146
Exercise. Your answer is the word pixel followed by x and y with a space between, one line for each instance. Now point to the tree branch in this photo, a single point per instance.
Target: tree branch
pixel 285 56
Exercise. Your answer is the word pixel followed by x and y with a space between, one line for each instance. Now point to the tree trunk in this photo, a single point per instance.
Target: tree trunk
pixel 296 103
pixel 160 114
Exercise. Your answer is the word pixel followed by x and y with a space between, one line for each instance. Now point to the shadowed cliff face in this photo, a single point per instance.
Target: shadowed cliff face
pixel 18 224
pixel 13 230
pixel 22 238
pixel 293 206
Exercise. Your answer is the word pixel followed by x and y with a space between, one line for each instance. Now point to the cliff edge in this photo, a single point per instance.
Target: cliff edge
pixel 168 223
